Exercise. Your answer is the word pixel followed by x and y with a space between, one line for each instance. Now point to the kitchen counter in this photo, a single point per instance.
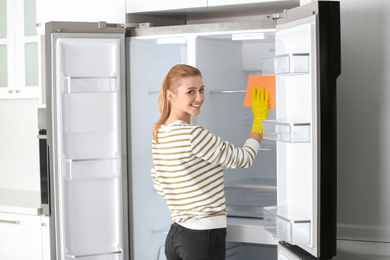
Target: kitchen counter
pixel 20 202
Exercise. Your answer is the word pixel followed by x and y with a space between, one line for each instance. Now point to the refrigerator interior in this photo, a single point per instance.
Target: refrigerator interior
pixel 225 65
pixel 149 62
pixel 88 126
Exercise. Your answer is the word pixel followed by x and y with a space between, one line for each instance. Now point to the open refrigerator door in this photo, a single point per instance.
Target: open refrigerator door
pixel 87 141
pixel 306 65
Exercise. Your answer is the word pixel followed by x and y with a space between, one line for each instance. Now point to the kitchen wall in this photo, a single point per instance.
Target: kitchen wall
pixel 19 160
pixel 363 130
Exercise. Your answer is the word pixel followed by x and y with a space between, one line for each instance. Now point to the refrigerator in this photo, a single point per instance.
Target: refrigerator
pixel 103 81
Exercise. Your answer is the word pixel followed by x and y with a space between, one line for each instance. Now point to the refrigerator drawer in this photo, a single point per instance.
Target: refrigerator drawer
pixel 287 225
pixel 247 197
pixel 275 130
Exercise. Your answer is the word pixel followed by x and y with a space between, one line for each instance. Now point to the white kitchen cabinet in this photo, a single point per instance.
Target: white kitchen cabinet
pixel 239 2
pixel 21 237
pixel 210 6
pixel 81 11
pixel 136 6
pixel 19 48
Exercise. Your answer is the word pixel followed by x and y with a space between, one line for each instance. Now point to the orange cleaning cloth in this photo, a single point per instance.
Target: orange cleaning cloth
pixel 268 83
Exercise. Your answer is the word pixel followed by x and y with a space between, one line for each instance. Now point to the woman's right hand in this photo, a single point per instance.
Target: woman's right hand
pixel 260 109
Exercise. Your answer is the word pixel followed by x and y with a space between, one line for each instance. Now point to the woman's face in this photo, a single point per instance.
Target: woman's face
pixel 188 97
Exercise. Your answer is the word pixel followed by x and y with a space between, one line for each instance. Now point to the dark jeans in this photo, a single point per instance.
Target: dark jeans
pixel 188 244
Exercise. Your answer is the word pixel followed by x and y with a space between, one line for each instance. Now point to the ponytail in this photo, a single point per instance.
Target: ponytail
pixel 164 106
pixel 170 82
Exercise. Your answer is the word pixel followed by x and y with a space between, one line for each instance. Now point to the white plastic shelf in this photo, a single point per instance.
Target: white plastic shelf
pixel 287 225
pixel 291 132
pixel 90 84
pixel 92 169
pixel 286 64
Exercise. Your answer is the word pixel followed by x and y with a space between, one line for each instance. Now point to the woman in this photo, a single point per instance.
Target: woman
pixel 188 166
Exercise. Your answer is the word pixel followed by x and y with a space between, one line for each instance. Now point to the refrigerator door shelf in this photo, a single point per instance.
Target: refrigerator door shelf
pixel 248 230
pixel 77 57
pixel 277 130
pixel 90 84
pixel 287 64
pixel 92 213
pixel 115 255
pixel 287 225
pixel 92 169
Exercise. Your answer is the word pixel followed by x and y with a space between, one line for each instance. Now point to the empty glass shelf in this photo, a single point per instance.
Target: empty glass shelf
pixel 228 91
pixel 291 132
pixel 292 63
pixel 287 225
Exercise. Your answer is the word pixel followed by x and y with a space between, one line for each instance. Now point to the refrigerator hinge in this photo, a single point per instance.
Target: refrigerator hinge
pixel 285 13
pixel 276 16
pixel 137 25
pixel 105 25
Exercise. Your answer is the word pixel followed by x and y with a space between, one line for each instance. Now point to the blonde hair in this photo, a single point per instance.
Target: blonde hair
pixel 171 82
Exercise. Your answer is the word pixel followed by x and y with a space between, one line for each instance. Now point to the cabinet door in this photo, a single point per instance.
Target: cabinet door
pixel 268 3
pixel 134 6
pixel 20 237
pixel 74 10
pixel 19 50
pixel 45 235
pixel 7 45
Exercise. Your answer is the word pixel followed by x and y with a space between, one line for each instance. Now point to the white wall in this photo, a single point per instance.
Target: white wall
pixel 19 157
pixel 364 128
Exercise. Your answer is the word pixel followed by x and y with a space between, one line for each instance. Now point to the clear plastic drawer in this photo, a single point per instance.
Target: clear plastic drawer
pixel 292 132
pixel 294 63
pixel 92 169
pixel 287 225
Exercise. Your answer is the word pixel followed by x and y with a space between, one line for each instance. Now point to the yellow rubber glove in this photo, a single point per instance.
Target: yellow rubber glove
pixel 259 108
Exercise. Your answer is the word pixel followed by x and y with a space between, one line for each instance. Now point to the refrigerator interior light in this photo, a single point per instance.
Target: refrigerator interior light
pixel 171 40
pixel 248 36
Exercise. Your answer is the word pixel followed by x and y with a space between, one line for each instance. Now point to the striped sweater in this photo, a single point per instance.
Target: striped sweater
pixel 188 172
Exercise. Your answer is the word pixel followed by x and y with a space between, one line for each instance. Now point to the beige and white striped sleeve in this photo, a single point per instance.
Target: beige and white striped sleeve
pixel 213 149
pixel 156 182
